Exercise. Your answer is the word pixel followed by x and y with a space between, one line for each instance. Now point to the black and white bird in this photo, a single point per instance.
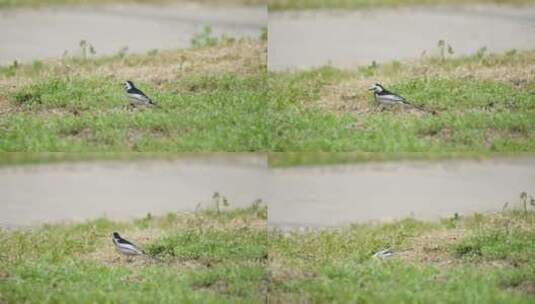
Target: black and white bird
pixel 125 247
pixel 386 98
pixel 135 96
pixel 128 249
pixel 384 254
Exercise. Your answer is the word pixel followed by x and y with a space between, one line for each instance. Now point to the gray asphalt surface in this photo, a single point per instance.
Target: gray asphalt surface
pixel 27 34
pixel 35 194
pixel 296 197
pixel 337 195
pixel 346 39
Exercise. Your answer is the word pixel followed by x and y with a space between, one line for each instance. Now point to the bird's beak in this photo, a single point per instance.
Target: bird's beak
pixel 371 88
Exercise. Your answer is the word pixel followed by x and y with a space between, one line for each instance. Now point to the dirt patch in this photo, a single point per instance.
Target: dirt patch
pixel 243 57
pixel 108 255
pixel 352 95
pixel 433 248
pixel 347 96
pixel 4 275
pixel 518 75
pixel 527 287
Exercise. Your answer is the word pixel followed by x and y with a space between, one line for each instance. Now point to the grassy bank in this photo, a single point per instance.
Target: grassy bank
pixel 277 5
pixel 482 103
pixel 44 3
pixel 229 257
pixel 212 98
pixel 329 158
pixel 206 257
pixel 478 259
pixel 220 98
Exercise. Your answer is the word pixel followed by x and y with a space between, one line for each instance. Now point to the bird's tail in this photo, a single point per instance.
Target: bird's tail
pixel 432 112
pixel 152 103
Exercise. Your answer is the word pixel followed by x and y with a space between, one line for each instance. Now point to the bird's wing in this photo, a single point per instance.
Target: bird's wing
pixel 140 97
pixel 123 241
pixel 135 90
pixel 126 245
pixel 392 97
pixel 132 247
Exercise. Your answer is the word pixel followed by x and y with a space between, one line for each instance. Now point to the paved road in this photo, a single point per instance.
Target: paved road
pixel 27 34
pixel 33 194
pixel 347 39
pixel 301 196
pixel 328 196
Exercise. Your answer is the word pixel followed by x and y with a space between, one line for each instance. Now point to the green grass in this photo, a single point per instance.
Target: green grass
pixel 477 109
pixel 362 4
pixel 214 101
pixel 285 159
pixel 207 257
pixel 230 257
pixel 220 98
pixel 44 3
pixel 93 117
pixel 478 259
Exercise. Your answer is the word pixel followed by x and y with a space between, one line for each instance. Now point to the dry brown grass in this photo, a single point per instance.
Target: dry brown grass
pixel 433 247
pixel 243 57
pixel 106 253
pixel 351 94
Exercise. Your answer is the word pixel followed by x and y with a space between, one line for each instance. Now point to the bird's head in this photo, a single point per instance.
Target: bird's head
pixel 128 85
pixel 116 235
pixel 376 88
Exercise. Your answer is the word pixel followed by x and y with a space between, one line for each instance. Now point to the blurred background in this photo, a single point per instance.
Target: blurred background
pixel 34 29
pixel 39 188
pixel 347 34
pixel 314 190
pixel 300 189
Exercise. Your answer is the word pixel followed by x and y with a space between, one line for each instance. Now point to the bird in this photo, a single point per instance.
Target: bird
pixel 384 254
pixel 386 98
pixel 135 96
pixel 126 248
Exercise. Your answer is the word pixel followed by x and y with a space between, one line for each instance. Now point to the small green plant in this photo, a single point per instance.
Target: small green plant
pixel 264 34
pixel 86 49
pixel 511 53
pixel 37 65
pixel 122 52
pixel 526 202
pixel 444 48
pixel 369 70
pixel 452 222
pixel 11 69
pixel 220 202
pixel 204 38
pixel 481 52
